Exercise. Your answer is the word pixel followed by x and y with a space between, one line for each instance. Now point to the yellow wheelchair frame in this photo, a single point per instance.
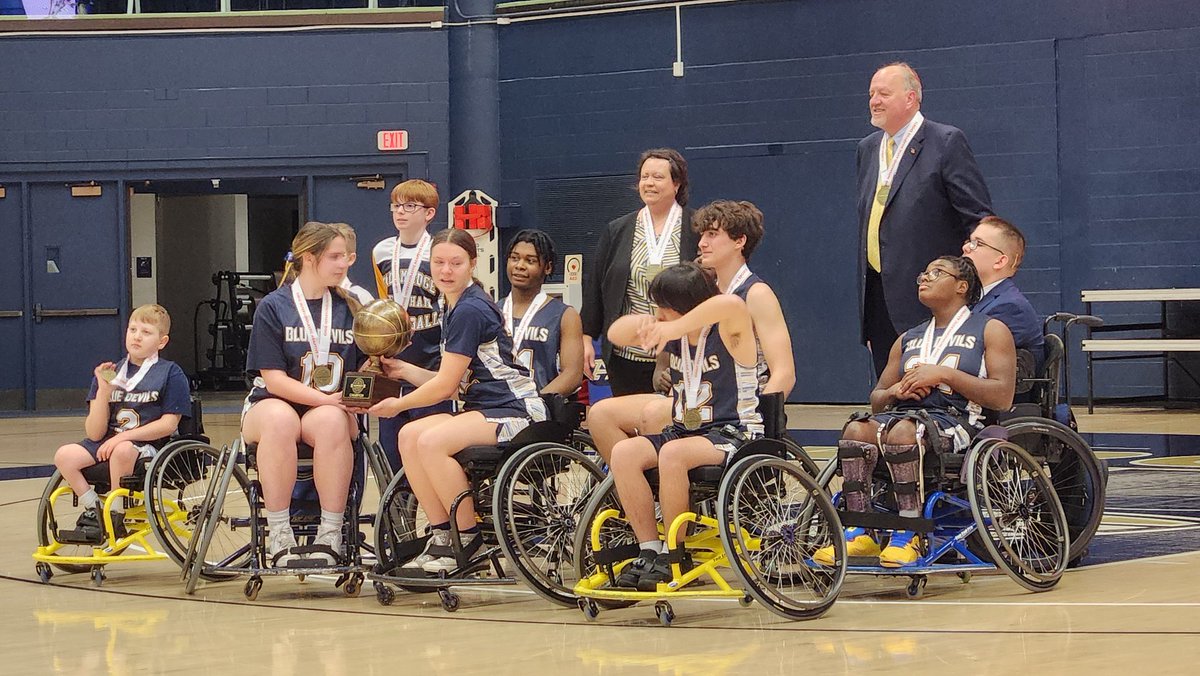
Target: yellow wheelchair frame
pixel 708 555
pixel 113 548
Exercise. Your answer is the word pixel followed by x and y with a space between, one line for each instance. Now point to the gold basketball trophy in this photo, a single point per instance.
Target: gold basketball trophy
pixel 381 329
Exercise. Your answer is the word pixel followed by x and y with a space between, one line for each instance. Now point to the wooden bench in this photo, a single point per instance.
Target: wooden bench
pixel 1137 346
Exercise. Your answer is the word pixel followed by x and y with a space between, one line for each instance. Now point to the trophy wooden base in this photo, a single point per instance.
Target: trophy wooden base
pixel 364 389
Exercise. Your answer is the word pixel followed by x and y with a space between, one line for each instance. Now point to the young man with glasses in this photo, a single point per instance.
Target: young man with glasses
pixel 997 248
pixel 402 273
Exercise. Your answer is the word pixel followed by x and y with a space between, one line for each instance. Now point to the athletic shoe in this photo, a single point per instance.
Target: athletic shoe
pixel 89 527
pixel 903 549
pixel 279 547
pixel 660 571
pixel 858 543
pixel 631 573
pixel 439 538
pixel 332 539
pixel 445 561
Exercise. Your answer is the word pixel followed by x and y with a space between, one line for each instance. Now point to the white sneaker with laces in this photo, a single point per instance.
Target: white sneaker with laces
pixel 439 538
pixel 332 539
pixel 279 542
pixel 448 563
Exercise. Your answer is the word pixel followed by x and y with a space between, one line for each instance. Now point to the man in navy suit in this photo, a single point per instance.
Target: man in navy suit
pixel 919 193
pixel 997 248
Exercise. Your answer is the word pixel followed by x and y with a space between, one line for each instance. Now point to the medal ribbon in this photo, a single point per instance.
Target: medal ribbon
pixel 887 172
pixel 656 248
pixel 740 278
pixel 402 291
pixel 318 341
pixel 931 353
pixel 124 382
pixel 693 370
pixel 519 335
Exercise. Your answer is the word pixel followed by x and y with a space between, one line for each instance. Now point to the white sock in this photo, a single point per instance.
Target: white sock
pixel 277 521
pixel 330 521
pixel 655 546
pixel 90 500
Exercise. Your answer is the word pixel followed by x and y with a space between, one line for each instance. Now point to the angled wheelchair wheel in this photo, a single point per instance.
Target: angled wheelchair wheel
pixel 58 514
pixel 177 482
pixel 582 442
pixel 797 453
pixel 399 525
pixel 1018 515
pixel 774 517
pixel 1078 476
pixel 537 506
pixel 615 533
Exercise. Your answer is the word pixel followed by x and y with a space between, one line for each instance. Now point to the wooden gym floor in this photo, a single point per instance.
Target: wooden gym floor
pixel 1134 606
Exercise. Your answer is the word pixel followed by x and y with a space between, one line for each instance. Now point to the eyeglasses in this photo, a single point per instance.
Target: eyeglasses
pixel 408 207
pixel 934 275
pixel 974 243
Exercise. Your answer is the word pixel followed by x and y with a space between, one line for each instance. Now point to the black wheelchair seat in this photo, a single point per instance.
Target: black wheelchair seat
pixel 97 475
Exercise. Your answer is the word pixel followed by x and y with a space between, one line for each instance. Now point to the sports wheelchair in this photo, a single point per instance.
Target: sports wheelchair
pixel 763 516
pixel 72 552
pixel 1026 497
pixel 527 494
pixel 232 528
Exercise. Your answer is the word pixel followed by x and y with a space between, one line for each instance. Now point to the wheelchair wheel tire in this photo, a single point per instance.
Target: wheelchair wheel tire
pixel 177 481
pixel 774 517
pixel 1018 515
pixel 616 532
pixel 49 521
pixel 397 523
pixel 582 442
pixel 1079 478
pixel 536 508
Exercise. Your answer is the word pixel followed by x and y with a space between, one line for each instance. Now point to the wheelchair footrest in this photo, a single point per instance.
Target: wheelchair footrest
pixel 80 537
pixel 880 521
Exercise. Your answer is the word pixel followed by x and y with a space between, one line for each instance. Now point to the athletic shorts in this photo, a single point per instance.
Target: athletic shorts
pixel 727 443
pixel 949 426
pixel 145 448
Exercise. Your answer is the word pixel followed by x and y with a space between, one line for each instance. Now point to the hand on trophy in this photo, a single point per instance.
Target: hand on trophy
pixel 381 330
pixel 386 408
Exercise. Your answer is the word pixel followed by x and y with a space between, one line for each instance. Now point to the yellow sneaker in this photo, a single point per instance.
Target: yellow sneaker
pixel 858 543
pixel 903 549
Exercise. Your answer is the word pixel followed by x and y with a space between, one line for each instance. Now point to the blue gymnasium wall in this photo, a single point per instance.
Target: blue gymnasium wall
pixel 1082 117
pixel 134 107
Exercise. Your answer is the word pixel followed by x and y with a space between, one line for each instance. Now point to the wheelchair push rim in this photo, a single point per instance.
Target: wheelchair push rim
pixel 177 482
pixel 774 517
pixel 537 508
pixel 1017 514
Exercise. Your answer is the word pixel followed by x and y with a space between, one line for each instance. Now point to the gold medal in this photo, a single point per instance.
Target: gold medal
pixel 881 195
pixel 108 375
pixel 322 376
pixel 691 419
pixel 652 270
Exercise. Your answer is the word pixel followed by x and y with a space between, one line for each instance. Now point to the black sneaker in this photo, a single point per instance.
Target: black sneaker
pixel 88 527
pixel 632 573
pixel 660 571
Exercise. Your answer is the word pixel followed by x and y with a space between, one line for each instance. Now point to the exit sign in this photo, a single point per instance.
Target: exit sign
pixel 396 139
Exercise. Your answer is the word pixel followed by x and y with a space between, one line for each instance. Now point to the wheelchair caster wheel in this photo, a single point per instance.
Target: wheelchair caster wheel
pixel 353 585
pixel 590 609
pixel 745 601
pixel 98 576
pixel 449 600
pixel 965 576
pixel 43 571
pixel 384 594
pixel 664 613
pixel 916 588
pixel 250 591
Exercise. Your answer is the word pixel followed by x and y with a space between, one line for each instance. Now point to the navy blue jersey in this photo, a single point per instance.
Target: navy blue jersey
pixel 278 341
pixel 422 305
pixel 743 290
pixel 539 344
pixel 964 353
pixel 474 328
pixel 164 390
pixel 728 390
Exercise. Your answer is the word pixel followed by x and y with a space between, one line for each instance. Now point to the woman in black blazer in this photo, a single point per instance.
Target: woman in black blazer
pixel 632 249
